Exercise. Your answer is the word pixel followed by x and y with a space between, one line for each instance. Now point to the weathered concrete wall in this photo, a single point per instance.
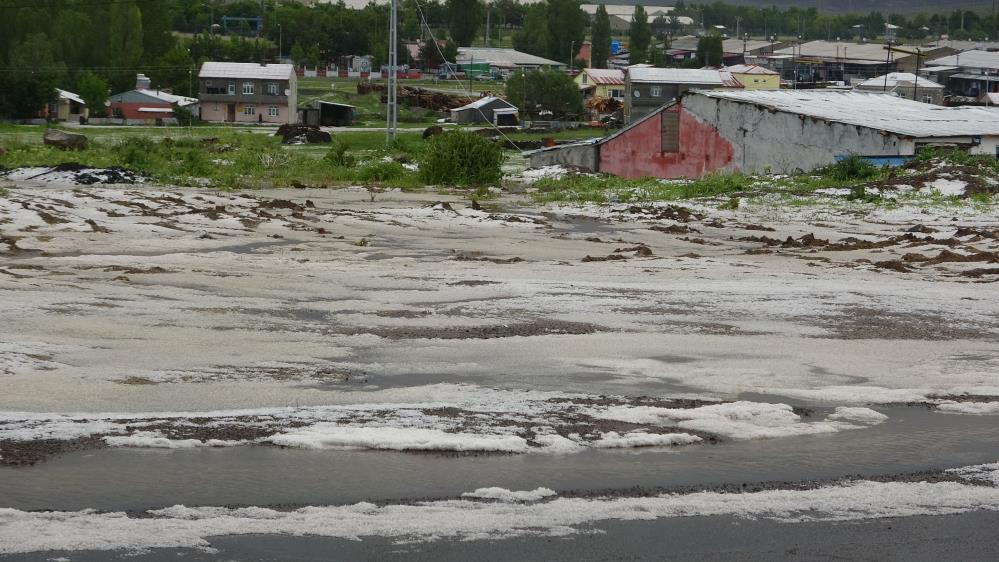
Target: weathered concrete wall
pixel 637 152
pixel 583 156
pixel 765 140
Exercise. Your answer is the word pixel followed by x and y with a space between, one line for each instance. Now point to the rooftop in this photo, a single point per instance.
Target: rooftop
pixel 246 70
pixel 843 50
pixel 970 59
pixel 895 79
pixel 749 69
pixel 872 110
pixel 605 76
pixel 502 57
pixel 674 75
pixel 65 95
pixel 627 11
pixel 167 97
pixel 482 102
pixel 689 43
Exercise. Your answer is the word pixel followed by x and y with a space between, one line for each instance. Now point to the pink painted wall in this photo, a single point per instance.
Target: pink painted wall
pixel 217 113
pixel 638 152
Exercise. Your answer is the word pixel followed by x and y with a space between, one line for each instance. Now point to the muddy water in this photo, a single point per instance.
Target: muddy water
pixel 913 439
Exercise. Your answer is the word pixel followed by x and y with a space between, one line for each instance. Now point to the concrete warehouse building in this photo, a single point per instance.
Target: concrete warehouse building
pixel 776 131
pixel 905 85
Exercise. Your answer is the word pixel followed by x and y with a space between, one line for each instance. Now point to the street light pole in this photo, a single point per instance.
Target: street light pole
pixel 572 47
pixel 280 42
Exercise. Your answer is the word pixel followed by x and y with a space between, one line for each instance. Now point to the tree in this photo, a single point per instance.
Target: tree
pixel 566 29
pixel 431 56
pixel 95 91
pixel 639 37
pixel 297 54
pixel 125 43
pixel 466 16
pixel 545 90
pixel 710 51
pixel 33 78
pixel 601 37
pixel 174 72
pixel 156 24
pixel 532 37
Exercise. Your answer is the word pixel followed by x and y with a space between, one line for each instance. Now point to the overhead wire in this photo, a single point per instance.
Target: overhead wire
pixel 461 83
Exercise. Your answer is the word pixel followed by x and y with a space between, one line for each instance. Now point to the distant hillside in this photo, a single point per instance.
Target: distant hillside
pixel 864 6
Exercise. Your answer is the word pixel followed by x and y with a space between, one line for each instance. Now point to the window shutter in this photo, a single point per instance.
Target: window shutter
pixel 670 131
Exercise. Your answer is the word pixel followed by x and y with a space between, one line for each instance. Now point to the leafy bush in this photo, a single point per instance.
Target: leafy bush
pixel 461 158
pixel 184 116
pixel 853 167
pixel 337 154
pixel 381 171
pixel 137 153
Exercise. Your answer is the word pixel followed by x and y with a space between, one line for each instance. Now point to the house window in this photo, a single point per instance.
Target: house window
pixel 273 111
pixel 615 93
pixel 247 87
pixel 249 109
pixel 584 78
pixel 671 131
pixel 273 89
pixel 927 99
pixel 656 91
pixel 232 88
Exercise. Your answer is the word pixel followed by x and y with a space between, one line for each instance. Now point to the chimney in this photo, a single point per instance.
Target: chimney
pixel 141 82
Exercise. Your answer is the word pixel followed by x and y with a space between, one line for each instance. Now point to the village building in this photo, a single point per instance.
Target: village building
pixel 145 105
pixel 754 77
pixel 734 51
pixel 969 74
pixel 841 61
pixel 648 88
pixel 234 92
pixel 779 131
pixel 489 109
pixel 905 85
pixel 67 107
pixel 502 60
pixel 601 83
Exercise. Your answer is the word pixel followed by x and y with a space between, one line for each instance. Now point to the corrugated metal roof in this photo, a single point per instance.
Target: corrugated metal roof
pixel 844 50
pixel 168 97
pixel 500 56
pixel 247 70
pixel 749 69
pixel 872 110
pixel 894 79
pixel 65 95
pixel 970 59
pixel 674 76
pixel 482 102
pixel 605 76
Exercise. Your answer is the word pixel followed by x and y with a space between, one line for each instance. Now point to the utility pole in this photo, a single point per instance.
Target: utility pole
pixel 738 20
pixel 392 107
pixel 489 14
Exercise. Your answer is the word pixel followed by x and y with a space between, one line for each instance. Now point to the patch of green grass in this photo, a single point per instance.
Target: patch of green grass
pixel 233 161
pixel 604 188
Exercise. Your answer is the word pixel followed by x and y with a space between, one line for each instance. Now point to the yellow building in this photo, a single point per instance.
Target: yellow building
pixel 601 82
pixel 755 77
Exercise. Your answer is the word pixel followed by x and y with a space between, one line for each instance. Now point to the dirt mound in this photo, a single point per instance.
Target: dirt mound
pixel 302 134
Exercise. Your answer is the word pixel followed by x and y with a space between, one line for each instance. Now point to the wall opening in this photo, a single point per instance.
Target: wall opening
pixel 670 131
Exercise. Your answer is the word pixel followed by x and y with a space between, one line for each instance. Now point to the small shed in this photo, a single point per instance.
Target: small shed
pixel 489 109
pixel 328 114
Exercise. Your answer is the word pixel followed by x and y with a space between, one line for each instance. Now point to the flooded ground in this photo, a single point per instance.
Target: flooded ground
pixel 326 357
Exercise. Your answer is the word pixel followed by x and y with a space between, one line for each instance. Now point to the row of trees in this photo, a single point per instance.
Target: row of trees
pixel 810 23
